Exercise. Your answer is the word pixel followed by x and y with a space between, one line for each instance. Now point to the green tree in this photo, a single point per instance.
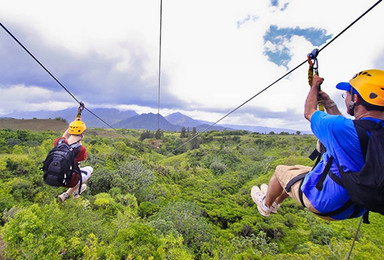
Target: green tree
pixel 185 218
pixel 195 141
pixel 136 179
pixel 159 134
pixel 183 133
pixel 145 135
pixel 138 241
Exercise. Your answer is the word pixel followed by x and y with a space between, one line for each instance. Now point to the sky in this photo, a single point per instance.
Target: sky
pixel 215 55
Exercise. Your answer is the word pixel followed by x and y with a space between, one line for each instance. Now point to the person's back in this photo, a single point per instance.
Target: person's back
pixel 75 134
pixel 339 136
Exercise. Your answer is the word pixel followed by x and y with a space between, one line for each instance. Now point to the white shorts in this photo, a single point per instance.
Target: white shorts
pixel 86 173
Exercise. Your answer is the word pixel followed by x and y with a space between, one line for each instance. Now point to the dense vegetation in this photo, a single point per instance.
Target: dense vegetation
pixel 145 202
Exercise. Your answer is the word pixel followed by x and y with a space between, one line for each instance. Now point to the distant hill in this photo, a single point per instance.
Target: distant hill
pixel 131 119
pixel 183 120
pixel 110 115
pixel 147 121
pixel 33 124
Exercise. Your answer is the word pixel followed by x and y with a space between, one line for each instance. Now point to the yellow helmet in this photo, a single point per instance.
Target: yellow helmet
pixel 76 127
pixel 369 84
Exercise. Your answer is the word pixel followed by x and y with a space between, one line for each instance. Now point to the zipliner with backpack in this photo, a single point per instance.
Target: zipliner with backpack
pixel 62 165
pixel 348 181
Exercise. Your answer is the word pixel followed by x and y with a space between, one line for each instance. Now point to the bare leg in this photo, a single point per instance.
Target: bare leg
pixel 282 197
pixel 73 189
pixel 275 192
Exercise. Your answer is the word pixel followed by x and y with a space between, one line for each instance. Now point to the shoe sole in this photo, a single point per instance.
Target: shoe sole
pixel 254 193
pixel 60 199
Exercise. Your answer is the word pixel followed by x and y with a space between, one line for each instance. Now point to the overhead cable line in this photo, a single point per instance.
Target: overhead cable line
pixel 52 75
pixel 354 239
pixel 159 74
pixel 273 83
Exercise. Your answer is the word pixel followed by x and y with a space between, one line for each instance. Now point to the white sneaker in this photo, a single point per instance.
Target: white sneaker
pixel 275 206
pixel 258 198
pixel 264 188
pixel 76 194
pixel 62 197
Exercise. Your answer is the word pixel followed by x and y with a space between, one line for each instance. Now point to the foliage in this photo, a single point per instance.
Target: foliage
pixel 164 199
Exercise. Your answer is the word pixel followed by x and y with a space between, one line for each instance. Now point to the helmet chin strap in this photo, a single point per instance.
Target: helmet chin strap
pixel 351 108
pixel 351 105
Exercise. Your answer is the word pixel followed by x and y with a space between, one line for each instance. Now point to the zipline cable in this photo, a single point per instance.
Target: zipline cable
pixel 353 243
pixel 52 75
pixel 159 74
pixel 238 107
pixel 273 83
pixel 346 28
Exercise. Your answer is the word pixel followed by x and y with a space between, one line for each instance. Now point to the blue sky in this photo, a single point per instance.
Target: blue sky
pixel 215 55
pixel 278 36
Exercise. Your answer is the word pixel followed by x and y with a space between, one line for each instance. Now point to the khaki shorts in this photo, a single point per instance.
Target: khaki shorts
pixel 286 173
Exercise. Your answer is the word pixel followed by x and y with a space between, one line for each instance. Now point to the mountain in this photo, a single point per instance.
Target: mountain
pixel 110 115
pixel 131 119
pixel 147 121
pixel 183 120
pixel 186 121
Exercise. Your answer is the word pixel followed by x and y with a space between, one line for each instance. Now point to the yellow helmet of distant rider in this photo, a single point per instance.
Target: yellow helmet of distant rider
pixel 369 84
pixel 77 127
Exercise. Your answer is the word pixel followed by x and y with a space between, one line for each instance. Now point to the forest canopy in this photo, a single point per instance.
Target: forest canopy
pixel 145 202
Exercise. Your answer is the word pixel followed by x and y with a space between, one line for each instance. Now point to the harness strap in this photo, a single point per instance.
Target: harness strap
pixel 346 205
pixel 362 126
pixel 338 180
pixel 76 148
pixel 319 184
pixel 81 182
pixel 295 179
pixel 337 211
pixel 301 194
pixel 355 212
pixel 315 155
pixel 335 178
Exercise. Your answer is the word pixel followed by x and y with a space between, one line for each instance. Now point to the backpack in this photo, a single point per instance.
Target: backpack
pixel 59 167
pixel 365 187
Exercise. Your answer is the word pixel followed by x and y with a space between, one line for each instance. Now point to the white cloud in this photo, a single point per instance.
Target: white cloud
pixel 32 99
pixel 212 54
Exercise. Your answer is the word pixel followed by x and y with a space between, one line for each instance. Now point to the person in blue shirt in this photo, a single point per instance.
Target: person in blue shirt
pixel 364 99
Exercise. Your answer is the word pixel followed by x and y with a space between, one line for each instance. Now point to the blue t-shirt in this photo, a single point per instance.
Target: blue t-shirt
pixel 338 134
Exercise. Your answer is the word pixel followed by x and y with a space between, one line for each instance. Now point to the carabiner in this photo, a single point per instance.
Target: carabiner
pixel 312 60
